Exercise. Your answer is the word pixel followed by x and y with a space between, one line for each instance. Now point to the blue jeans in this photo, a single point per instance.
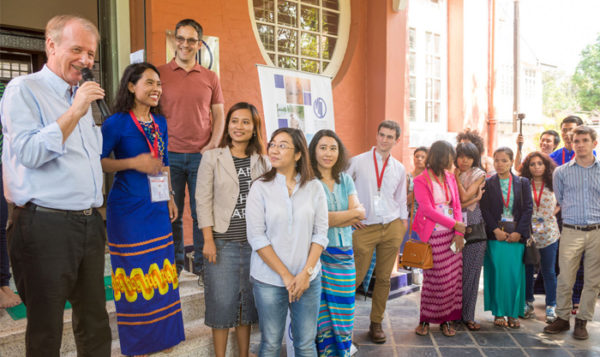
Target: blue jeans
pixel 184 170
pixel 548 271
pixel 4 266
pixel 272 304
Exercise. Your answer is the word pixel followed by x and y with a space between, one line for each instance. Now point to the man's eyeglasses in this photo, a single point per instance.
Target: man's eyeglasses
pixel 190 41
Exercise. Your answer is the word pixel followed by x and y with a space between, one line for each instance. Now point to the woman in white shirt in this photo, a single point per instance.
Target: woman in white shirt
pixel 286 216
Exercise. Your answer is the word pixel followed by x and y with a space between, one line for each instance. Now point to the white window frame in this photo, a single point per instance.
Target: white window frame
pixel 341 42
pixel 426 16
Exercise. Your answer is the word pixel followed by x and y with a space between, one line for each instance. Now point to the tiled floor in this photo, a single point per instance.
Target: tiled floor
pixel 402 316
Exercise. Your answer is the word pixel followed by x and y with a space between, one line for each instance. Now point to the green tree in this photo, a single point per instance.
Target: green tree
pixel 587 77
pixel 558 94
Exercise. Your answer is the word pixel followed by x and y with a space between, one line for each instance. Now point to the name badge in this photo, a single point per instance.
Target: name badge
pixel 506 218
pixel 159 187
pixel 378 204
pixel 537 225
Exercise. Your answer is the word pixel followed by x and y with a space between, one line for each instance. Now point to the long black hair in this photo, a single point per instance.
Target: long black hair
pixel 342 160
pixel 125 100
pixel 441 154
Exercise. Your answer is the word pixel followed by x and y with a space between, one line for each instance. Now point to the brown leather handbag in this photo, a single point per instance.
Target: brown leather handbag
pixel 417 254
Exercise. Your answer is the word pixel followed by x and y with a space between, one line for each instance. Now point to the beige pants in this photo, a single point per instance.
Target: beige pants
pixel 385 239
pixel 573 244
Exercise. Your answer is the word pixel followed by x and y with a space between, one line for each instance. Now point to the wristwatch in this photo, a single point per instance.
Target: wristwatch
pixel 310 270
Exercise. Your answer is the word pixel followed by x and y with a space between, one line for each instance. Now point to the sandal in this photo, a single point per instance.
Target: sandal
pixel 472 325
pixel 514 323
pixel 447 329
pixel 500 321
pixel 422 329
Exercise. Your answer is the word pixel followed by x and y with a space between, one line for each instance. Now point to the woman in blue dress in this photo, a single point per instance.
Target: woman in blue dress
pixel 139 212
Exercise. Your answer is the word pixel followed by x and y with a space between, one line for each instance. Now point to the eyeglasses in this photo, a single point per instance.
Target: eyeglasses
pixel 190 41
pixel 279 146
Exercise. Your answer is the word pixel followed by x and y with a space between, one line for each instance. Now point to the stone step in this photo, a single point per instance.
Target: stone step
pixel 198 342
pixel 12 333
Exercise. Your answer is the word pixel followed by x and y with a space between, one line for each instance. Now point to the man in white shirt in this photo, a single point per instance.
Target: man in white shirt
pixel 380 182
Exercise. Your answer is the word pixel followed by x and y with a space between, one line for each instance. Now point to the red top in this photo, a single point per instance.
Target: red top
pixel 185 102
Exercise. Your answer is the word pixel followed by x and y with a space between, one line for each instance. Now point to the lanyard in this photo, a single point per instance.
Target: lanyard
pixel 380 178
pixel 537 199
pixel 444 186
pixel 153 147
pixel 507 201
pixel 563 155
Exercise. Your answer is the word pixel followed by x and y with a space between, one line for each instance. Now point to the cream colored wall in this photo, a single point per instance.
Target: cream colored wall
pixel 33 14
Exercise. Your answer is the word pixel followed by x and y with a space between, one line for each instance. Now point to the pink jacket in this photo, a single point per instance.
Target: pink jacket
pixel 427 216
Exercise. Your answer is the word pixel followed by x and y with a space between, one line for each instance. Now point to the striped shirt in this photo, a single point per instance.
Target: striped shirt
pixel 237 225
pixel 577 191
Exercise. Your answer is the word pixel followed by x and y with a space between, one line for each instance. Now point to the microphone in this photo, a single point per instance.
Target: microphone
pixel 87 75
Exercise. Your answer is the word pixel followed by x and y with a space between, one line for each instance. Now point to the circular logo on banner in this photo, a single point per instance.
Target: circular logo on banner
pixel 320 108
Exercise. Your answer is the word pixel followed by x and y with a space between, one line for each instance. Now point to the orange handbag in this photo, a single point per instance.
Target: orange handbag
pixel 417 254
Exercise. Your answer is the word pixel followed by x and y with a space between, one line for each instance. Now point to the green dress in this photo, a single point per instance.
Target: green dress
pixel 504 272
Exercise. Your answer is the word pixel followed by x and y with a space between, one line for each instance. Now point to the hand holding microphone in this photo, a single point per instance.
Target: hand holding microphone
pixel 88 78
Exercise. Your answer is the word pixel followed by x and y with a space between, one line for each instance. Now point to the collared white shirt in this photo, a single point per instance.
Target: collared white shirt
pixel 38 167
pixel 289 224
pixel 393 186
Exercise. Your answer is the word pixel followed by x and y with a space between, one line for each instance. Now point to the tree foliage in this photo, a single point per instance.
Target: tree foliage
pixel 558 94
pixel 587 77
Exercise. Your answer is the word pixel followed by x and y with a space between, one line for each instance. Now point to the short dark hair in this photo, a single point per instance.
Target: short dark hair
pixel 582 130
pixel 125 100
pixel 549 168
pixel 302 165
pixel 421 148
pixel 468 150
pixel 342 161
pixel 553 133
pixel 390 124
pixel 438 158
pixel 192 23
pixel 472 136
pixel 255 145
pixel 508 151
pixel 572 119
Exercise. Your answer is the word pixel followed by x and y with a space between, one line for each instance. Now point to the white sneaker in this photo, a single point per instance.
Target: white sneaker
pixel 528 310
pixel 353 349
pixel 550 314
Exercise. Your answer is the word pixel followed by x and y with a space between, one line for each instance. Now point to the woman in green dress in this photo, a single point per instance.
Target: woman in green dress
pixel 506 206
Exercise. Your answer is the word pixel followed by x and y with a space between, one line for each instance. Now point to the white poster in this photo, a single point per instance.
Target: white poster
pixel 296 100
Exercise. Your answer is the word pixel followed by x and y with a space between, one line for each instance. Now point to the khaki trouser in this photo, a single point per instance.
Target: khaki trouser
pixel 385 239
pixel 572 244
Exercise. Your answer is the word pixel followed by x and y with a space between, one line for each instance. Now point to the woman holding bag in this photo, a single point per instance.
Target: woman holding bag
pixel 439 222
pixel 506 207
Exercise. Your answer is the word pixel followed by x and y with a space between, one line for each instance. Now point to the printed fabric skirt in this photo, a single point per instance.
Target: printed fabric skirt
pixel 504 279
pixel 336 311
pixel 144 276
pixel 441 294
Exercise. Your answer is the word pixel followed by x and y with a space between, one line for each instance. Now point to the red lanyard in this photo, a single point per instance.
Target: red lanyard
pixel 563 155
pixel 444 186
pixel 507 201
pixel 537 199
pixel 380 177
pixel 153 147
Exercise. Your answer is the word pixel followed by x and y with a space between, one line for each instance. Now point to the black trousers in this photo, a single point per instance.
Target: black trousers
pixel 59 256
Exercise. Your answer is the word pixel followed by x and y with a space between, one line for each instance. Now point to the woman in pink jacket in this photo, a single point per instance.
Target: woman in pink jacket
pixel 439 222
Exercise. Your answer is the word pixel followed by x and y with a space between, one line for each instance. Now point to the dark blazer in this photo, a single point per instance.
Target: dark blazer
pixel 491 205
